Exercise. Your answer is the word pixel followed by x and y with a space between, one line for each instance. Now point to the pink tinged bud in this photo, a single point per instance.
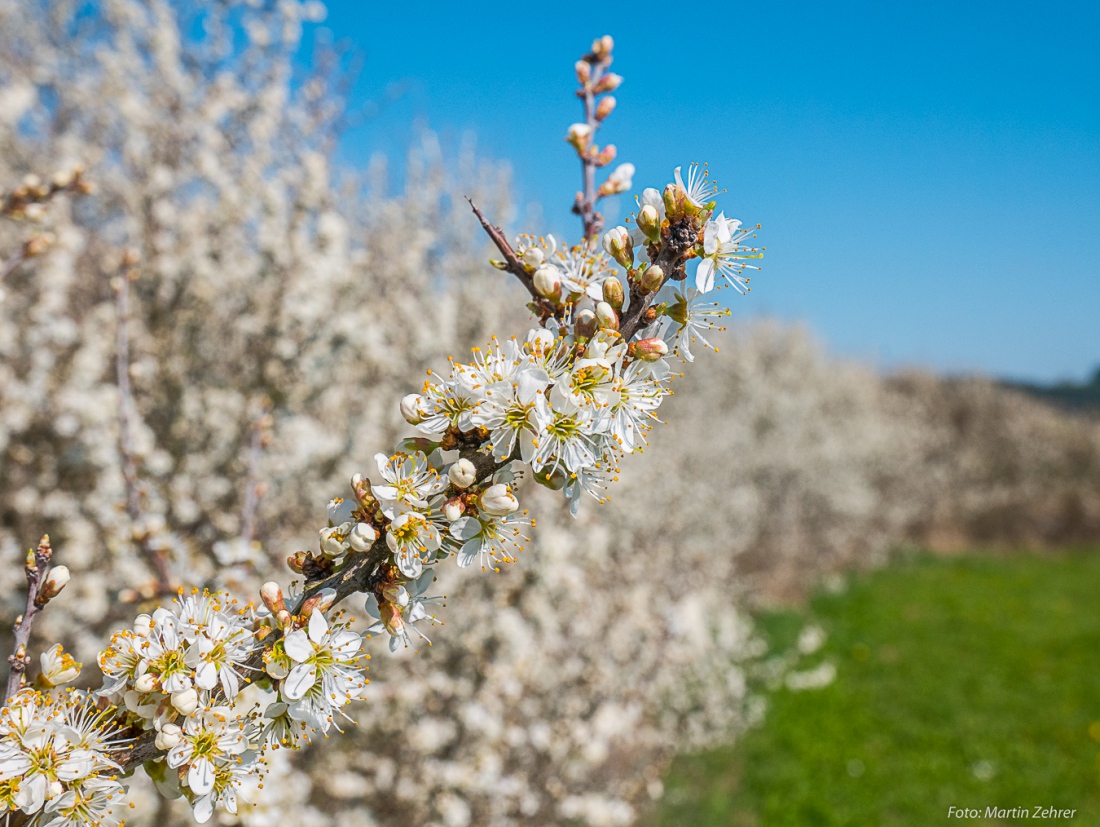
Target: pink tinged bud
pixel 584 71
pixel 650 350
pixel 533 257
pixel 390 615
pixel 55 582
pixel 606 317
pixel 284 619
pixel 606 155
pixel 605 107
pixel 320 602
pixel 146 683
pixel 652 279
pixel 453 509
pixel 602 46
pixel 169 736
pixel 396 594
pixel 579 135
pixel 649 222
pixel 547 281
pixel 613 292
pixel 272 597
pixel 462 474
pixel 608 83
pixel 185 702
pixel 585 325
pixel 410 409
pixel 498 500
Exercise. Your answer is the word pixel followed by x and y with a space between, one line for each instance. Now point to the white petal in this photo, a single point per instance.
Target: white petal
pixel 200 776
pixel 297 646
pixel 299 681
pixel 207 676
pixel 318 627
pixel 704 275
pixel 204 808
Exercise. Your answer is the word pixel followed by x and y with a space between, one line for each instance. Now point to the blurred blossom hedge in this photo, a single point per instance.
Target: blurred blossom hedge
pixel 271 281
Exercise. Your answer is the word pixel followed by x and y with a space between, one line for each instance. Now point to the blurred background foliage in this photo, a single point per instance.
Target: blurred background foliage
pixel 274 281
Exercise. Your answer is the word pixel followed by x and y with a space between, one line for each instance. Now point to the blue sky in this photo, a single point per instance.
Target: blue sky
pixel 928 175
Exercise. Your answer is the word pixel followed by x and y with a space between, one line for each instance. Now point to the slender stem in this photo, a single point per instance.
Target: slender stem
pixel 36 576
pixel 156 558
pixel 513 265
pixel 592 220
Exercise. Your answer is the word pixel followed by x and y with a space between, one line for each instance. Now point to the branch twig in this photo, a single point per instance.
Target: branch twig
pixel 36 568
pixel 513 265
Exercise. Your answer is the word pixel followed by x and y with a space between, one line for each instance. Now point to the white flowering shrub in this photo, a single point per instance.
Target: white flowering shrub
pixel 206 330
pixel 128 423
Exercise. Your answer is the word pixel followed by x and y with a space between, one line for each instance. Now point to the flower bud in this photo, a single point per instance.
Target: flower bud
pixel 297 561
pixel 605 107
pixel 606 155
pixel 186 702
pixel 533 257
pixel 396 594
pixel 579 135
pixel 651 279
pixel 320 602
pixel 585 325
pixel 272 596
pixel 498 500
pixel 284 619
pixel 410 408
pixel 606 317
pixel 55 582
pixel 674 201
pixel 143 625
pixel 334 540
pixel 650 350
pixel 608 83
pixel 390 615
pixel 362 537
pixel 649 222
pixel 602 46
pixel 620 246
pixel 453 509
pixel 547 281
pixel 584 71
pixel 463 473
pixel 169 736
pixel 146 683
pixel 361 486
pixel 613 292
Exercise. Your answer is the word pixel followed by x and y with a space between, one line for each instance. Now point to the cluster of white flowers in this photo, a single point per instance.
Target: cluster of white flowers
pixel 55 760
pixel 562 686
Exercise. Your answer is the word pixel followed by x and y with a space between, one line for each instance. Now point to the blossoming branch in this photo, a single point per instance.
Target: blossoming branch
pixel 564 404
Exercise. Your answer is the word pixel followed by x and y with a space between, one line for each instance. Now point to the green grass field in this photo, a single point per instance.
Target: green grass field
pixel 971 682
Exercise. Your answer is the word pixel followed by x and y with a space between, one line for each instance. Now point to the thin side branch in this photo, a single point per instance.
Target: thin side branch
pixel 36 569
pixel 513 265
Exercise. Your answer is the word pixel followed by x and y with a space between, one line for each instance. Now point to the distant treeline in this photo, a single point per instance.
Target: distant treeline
pixel 1075 395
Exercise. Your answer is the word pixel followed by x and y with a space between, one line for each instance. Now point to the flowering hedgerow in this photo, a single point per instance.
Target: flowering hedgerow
pixel 564 404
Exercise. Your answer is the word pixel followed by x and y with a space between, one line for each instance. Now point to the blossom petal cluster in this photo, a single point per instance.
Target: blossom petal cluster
pixel 54 759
